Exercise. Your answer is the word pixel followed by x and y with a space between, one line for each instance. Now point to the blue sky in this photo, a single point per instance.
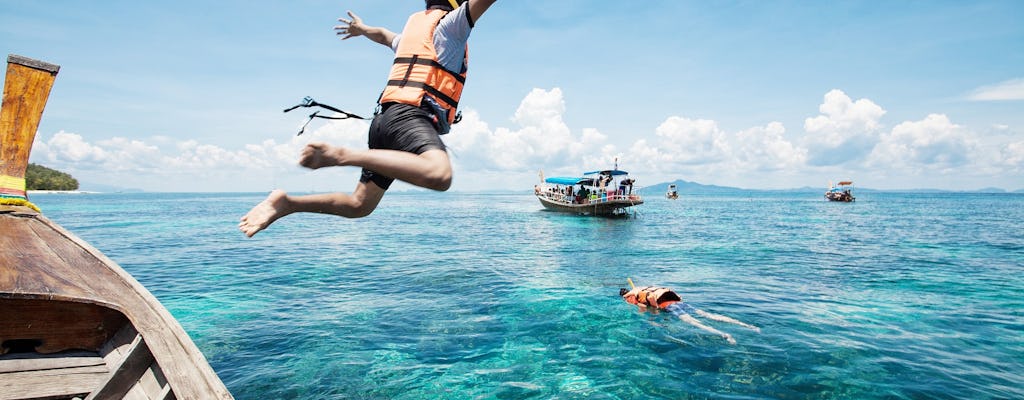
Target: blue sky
pixel 187 95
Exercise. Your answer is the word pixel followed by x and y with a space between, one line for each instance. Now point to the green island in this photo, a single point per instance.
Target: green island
pixel 38 177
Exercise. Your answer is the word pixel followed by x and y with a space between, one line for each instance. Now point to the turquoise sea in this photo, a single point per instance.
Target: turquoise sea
pixel 462 296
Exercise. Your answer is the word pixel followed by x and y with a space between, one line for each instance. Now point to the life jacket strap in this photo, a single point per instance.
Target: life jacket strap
pixel 429 89
pixel 416 60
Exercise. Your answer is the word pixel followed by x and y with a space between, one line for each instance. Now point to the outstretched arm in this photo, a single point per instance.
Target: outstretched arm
pixel 354 26
pixel 723 318
pixel 478 7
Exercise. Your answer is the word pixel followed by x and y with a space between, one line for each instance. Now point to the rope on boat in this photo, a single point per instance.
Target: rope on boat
pixel 13 201
pixel 12 192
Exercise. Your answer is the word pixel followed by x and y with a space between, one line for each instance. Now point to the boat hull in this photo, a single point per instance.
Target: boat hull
pixel 75 324
pixel 616 206
pixel 840 197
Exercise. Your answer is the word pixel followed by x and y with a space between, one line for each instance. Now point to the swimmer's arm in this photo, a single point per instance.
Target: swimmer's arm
pixel 693 321
pixel 723 318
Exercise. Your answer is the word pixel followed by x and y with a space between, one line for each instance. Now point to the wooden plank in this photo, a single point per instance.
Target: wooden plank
pixel 165 394
pixel 152 381
pixel 136 393
pixel 115 348
pixel 126 374
pixel 59 372
pixel 33 267
pixel 32 385
pixel 35 362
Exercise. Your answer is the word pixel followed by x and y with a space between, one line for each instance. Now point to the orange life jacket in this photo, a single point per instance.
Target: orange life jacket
pixel 652 296
pixel 416 70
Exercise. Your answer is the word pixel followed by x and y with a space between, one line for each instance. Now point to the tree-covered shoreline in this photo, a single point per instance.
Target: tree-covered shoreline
pixel 38 177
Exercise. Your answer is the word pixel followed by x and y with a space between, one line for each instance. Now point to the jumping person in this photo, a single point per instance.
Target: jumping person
pixel 419 103
pixel 665 299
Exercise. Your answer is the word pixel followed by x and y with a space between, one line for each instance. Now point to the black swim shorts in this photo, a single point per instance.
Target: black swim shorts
pixel 401 127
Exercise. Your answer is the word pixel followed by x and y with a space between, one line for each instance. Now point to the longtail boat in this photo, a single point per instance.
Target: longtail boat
pixel 74 324
pixel 600 193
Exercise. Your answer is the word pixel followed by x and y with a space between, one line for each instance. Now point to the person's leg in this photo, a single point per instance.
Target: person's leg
pixel 360 203
pixel 693 321
pixel 681 310
pixel 432 169
pixel 722 318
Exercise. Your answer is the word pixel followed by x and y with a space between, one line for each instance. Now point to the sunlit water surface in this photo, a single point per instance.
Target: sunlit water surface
pixel 487 296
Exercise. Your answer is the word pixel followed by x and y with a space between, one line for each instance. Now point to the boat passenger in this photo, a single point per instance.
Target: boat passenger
pixel 419 103
pixel 660 298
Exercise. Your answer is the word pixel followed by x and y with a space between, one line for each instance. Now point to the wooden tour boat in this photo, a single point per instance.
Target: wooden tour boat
pixel 841 192
pixel 73 324
pixel 603 193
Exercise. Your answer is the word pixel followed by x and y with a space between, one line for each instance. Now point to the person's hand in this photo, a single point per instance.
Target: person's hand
pixel 353 26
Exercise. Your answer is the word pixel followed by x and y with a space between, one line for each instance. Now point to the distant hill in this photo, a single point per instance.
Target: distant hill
pixel 687 187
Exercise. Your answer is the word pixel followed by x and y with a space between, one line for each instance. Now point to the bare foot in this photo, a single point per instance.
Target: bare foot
pixel 319 155
pixel 265 213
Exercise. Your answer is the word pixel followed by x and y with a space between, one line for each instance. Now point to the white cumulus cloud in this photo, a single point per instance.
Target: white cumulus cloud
pixel 934 143
pixel 846 130
pixel 540 139
pixel 70 147
pixel 765 148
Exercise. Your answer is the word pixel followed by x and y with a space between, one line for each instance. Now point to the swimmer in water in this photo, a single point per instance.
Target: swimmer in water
pixel 660 298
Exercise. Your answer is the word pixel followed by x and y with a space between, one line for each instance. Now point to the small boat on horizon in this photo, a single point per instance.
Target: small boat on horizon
pixel 601 193
pixel 842 192
pixel 672 193
pixel 74 324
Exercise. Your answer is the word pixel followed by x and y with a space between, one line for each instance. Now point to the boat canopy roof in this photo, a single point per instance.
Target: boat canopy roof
pixel 563 180
pixel 568 180
pixel 845 183
pixel 612 172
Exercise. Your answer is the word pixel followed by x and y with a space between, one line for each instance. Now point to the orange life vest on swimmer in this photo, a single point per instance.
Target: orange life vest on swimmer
pixel 652 296
pixel 416 70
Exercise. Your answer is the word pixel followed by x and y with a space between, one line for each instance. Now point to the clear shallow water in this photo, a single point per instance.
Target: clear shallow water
pixel 486 296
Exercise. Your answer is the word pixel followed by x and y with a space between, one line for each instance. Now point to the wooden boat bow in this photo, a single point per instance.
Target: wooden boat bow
pixel 74 324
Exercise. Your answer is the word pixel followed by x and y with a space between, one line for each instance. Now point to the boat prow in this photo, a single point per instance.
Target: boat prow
pixel 74 324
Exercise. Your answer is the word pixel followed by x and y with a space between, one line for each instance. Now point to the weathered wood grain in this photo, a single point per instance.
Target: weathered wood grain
pixel 26 87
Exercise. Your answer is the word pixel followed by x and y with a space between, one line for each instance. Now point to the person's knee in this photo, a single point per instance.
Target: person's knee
pixel 440 181
pixel 362 204
pixel 362 211
pixel 440 176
